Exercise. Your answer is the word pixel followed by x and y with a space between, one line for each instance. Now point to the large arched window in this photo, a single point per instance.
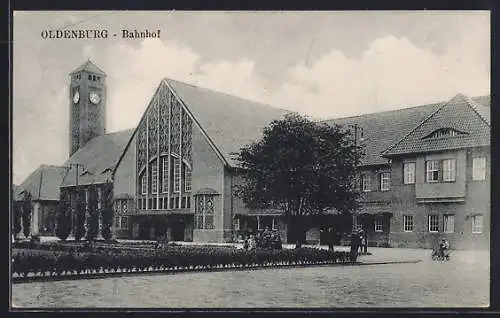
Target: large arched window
pixel 154 177
pixel 144 183
pixel 187 178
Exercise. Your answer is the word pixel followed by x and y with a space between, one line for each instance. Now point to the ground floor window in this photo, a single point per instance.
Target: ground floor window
pixel 477 224
pixel 378 224
pixel 433 223
pixel 236 224
pixel 449 223
pixel 408 223
pixel 204 211
pixel 275 225
pixel 121 221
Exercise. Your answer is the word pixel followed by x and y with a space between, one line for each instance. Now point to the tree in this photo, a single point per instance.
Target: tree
pixel 26 216
pixel 80 213
pixel 17 218
pixel 63 227
pixel 93 222
pixel 302 168
pixel 107 210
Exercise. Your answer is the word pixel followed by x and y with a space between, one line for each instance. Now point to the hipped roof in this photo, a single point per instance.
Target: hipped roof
pixel 42 184
pixel 97 159
pixel 461 114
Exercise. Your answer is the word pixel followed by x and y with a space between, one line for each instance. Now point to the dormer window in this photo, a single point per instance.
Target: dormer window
pixel 444 132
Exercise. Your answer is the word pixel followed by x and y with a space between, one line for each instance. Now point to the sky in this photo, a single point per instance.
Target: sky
pixel 320 64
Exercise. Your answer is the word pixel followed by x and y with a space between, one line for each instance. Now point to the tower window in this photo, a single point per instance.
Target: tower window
pixel 93 78
pixel 98 78
pixel 90 77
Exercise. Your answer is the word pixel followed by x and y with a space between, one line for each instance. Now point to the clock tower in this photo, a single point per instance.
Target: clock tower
pixel 87 105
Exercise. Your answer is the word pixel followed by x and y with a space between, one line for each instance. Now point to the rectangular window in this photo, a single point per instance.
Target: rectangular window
pixel 409 173
pixel 378 224
pixel 139 204
pixel 477 224
pixel 236 224
pixel 154 178
pixel 432 170
pixel 408 223
pixel 144 184
pixel 160 204
pixel 275 224
pixel 479 168
pixel 124 222
pixel 449 170
pixel 188 203
pixel 449 224
pixel 433 223
pixel 385 181
pixel 117 221
pixel 204 212
pixel 187 179
pixel 153 205
pixel 164 180
pixel 366 182
pixel 177 175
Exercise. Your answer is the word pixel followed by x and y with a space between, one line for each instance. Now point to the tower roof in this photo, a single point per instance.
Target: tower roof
pixel 89 66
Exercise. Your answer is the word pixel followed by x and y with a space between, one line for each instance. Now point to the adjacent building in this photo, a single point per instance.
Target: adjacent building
pixel 425 173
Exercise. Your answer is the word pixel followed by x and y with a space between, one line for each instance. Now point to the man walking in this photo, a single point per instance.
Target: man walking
pixel 354 246
pixel 330 238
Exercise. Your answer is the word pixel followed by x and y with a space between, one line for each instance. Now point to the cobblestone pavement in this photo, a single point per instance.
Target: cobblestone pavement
pixel 461 282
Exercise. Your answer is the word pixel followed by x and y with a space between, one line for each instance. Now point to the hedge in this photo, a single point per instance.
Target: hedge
pixel 175 258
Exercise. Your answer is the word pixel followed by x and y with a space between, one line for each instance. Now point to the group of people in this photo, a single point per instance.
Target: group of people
pixel 359 242
pixel 263 239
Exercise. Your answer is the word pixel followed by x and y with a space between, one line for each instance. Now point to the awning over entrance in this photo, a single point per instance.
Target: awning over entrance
pixel 379 208
pixel 164 212
pixel 206 191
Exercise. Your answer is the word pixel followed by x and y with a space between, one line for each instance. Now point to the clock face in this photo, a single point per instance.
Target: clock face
pixel 76 97
pixel 94 97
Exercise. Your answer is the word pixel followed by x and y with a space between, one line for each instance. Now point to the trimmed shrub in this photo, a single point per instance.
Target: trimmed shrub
pixel 26 214
pixel 108 259
pixel 80 214
pixel 107 211
pixel 63 227
pixel 17 218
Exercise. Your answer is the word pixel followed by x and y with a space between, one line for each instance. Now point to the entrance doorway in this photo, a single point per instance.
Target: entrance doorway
pixel 177 230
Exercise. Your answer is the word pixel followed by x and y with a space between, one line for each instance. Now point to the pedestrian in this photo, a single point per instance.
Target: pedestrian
pixel 354 246
pixel 330 238
pixel 252 243
pixel 246 243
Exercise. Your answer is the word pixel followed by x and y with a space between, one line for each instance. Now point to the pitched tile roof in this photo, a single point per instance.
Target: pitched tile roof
pixel 460 113
pixel 43 183
pixel 229 121
pixel 380 130
pixel 89 67
pixel 97 158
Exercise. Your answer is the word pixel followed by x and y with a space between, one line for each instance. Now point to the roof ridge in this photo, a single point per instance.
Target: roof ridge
pixel 472 104
pixel 416 127
pixel 384 111
pixel 227 94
